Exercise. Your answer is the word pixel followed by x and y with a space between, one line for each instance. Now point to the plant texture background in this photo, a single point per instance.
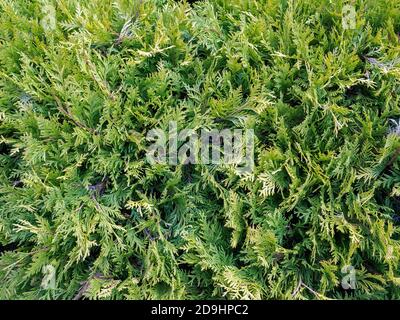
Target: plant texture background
pixel 81 84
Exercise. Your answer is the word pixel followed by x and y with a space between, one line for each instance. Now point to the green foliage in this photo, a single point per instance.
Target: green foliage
pixel 77 193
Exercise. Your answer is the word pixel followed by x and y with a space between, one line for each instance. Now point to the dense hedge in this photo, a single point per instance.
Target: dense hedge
pixel 77 99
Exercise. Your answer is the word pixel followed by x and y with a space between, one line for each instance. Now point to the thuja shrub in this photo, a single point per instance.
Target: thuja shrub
pixel 84 215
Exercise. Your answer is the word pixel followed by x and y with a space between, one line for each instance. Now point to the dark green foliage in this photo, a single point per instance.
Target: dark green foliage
pixel 77 193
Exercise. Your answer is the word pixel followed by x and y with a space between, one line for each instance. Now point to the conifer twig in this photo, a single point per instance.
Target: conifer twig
pixel 393 158
pixel 71 117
